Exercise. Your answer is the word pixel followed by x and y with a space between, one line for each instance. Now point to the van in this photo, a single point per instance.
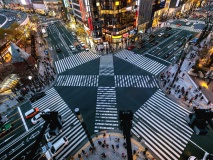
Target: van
pixel 56 148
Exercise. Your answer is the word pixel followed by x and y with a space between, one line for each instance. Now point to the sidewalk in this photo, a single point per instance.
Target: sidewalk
pixel 42 81
pixel 188 91
pixel 119 152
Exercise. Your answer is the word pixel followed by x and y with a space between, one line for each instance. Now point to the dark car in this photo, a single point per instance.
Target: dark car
pixel 168 28
pixel 167 35
pixel 151 35
pixel 37 96
pixel 180 44
pixel 58 50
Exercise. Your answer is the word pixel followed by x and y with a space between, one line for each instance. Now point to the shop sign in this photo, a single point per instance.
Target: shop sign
pixel 116 37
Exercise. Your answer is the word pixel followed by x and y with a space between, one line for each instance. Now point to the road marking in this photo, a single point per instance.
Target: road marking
pixel 197 146
pixel 25 125
pixel 159 58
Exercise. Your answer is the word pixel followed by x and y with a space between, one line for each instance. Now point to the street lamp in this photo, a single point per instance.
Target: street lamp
pixel 80 118
pixel 30 77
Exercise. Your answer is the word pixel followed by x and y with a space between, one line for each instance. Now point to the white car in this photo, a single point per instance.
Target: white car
pixel 73 34
pixel 86 49
pixel 37 118
pixel 160 34
pixel 186 20
pixel 72 48
pixel 48 137
pixel 79 39
pixel 82 44
pixel 188 23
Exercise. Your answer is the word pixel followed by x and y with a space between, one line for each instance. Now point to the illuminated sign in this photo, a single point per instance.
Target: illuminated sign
pixel 116 37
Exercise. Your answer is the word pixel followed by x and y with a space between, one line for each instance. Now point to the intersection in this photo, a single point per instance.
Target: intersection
pixel 100 86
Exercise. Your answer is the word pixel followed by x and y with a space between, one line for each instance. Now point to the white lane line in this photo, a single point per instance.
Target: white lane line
pixel 25 125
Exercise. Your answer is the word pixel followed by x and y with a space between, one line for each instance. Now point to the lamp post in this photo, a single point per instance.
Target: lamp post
pixel 80 118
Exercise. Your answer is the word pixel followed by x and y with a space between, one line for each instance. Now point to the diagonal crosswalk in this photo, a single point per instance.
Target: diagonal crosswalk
pixel 137 81
pixel 141 61
pixel 106 67
pixel 161 124
pixel 72 128
pixel 74 60
pixel 78 80
pixel 106 116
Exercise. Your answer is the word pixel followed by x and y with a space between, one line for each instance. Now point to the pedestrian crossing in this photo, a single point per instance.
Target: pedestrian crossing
pixel 106 67
pixel 141 61
pixel 186 28
pixel 78 80
pixel 74 60
pixel 106 117
pixel 137 81
pixel 72 128
pixel 161 124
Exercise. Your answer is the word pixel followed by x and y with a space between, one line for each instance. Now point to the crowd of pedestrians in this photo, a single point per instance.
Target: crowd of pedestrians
pixel 112 146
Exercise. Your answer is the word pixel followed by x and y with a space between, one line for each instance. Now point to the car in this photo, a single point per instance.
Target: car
pixel 78 47
pixel 73 33
pixel 178 25
pixel 5 128
pixel 168 28
pixel 167 35
pixel 3 119
pixel 82 44
pixel 180 44
pixel 167 55
pixel 160 34
pixel 37 118
pixel 193 41
pixel 131 47
pixel 31 113
pixel 188 23
pixel 72 47
pixel 37 96
pixel 151 35
pixel 185 20
pixel 56 148
pixel 79 39
pixel 87 49
pixel 175 48
pixel 189 36
pixel 58 50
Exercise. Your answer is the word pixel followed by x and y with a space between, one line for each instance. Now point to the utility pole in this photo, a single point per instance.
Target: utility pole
pixel 126 117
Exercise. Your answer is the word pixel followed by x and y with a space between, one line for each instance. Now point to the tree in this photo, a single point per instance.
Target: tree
pixel 80 31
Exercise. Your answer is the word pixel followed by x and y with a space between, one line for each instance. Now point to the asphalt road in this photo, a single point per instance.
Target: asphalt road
pixel 101 86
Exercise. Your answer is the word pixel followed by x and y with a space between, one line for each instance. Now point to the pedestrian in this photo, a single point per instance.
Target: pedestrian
pixel 113 146
pixel 104 141
pixel 201 98
pixel 199 88
pixel 183 75
pixel 104 135
pixel 117 146
pixel 176 91
pixel 190 63
pixel 173 75
pixel 200 94
pixel 209 103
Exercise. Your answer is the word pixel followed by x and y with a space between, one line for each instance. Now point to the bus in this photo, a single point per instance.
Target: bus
pixel 44 32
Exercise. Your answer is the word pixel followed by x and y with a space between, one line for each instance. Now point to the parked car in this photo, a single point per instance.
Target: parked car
pixel 31 112
pixel 131 47
pixel 87 49
pixel 82 44
pixel 37 118
pixel 189 36
pixel 73 33
pixel 193 41
pixel 5 128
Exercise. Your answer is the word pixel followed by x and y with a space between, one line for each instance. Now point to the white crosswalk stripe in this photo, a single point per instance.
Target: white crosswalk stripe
pixel 191 28
pixel 74 60
pixel 78 80
pixel 137 81
pixel 106 112
pixel 141 61
pixel 72 128
pixel 161 124
pixel 106 67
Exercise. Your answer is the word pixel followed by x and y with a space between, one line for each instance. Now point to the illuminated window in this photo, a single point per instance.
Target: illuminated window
pixel 117 3
pixel 97 4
